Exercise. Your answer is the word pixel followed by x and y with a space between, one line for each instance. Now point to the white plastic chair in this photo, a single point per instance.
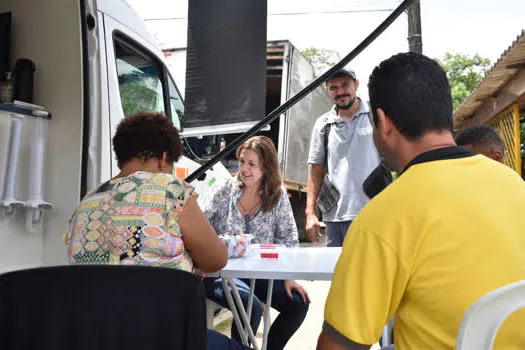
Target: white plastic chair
pixel 481 322
pixel 211 307
pixel 388 333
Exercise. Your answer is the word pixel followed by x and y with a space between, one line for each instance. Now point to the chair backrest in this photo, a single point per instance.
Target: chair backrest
pixel 481 322
pixel 101 307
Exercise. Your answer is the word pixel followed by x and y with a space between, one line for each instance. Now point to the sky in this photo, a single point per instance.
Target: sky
pixel 463 26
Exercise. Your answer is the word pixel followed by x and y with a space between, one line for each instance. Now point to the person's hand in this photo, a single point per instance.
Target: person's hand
pixel 291 285
pixel 199 273
pixel 313 229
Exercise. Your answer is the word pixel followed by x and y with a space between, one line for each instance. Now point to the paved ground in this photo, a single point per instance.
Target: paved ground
pixel 306 337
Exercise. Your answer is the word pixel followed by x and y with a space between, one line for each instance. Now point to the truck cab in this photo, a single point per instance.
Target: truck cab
pixel 95 63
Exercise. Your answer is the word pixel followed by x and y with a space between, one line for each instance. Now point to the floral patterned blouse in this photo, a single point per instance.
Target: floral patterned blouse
pixel 276 226
pixel 131 220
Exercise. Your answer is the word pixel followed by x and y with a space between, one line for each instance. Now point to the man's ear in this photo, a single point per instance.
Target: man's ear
pixel 356 82
pixel 496 155
pixel 384 124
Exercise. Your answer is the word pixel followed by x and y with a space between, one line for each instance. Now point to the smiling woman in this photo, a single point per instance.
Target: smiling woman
pixel 259 171
pixel 255 202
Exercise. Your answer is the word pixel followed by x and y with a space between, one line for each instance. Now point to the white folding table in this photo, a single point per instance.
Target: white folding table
pixel 301 263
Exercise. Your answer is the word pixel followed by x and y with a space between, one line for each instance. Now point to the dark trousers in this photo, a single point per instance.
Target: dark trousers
pixel 291 311
pixel 217 341
pixel 336 233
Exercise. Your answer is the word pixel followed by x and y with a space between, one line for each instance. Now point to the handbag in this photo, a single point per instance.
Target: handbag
pixel 329 195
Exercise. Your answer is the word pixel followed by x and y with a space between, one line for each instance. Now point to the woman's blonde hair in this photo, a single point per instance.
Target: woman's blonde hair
pixel 271 182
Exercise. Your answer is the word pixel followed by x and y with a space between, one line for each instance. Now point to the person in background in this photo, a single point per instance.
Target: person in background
pixel 482 139
pixel 255 202
pixel 342 155
pixel 145 215
pixel 446 232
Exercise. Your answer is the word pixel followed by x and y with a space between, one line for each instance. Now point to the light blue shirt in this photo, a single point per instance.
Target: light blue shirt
pixel 351 157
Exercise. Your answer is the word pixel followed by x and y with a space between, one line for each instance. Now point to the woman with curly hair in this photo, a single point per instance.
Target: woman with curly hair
pixel 255 202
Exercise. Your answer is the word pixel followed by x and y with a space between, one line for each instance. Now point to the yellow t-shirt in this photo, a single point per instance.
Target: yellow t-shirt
pixel 444 234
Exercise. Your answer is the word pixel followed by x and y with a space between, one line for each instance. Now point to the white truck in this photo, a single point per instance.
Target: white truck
pixel 95 62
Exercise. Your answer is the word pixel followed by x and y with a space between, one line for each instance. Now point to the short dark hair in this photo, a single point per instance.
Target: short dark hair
pixel 414 92
pixel 480 135
pixel 146 136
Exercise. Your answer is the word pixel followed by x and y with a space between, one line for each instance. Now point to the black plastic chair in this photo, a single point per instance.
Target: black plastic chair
pixel 104 307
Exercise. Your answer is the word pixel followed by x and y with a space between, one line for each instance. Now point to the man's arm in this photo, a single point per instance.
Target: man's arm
pixel 326 342
pixel 315 182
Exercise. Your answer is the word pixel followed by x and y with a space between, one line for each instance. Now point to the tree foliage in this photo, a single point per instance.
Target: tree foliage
pixel 321 59
pixel 464 73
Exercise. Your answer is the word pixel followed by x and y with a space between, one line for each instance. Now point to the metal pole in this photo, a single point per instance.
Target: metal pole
pixel 242 312
pixel 250 301
pixel 233 309
pixel 415 40
pixel 200 172
pixel 267 318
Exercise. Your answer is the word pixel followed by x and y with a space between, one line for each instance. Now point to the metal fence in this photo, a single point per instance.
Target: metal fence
pixel 507 124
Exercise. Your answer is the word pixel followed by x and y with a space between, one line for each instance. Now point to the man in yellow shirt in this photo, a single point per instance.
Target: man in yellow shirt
pixel 446 232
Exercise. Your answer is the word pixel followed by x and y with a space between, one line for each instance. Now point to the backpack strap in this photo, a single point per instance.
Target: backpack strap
pixel 326 132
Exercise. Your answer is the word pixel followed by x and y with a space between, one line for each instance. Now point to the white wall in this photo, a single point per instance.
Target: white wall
pixel 48 32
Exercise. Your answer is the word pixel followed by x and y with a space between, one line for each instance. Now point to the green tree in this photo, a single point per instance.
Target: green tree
pixel 464 73
pixel 321 59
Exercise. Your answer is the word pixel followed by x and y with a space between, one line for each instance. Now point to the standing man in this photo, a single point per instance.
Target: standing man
pixel 342 155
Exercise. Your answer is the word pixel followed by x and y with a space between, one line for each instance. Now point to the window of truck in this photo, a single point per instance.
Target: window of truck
pixel 176 104
pixel 142 80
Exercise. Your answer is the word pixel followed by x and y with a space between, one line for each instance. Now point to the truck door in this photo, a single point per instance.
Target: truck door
pixel 138 80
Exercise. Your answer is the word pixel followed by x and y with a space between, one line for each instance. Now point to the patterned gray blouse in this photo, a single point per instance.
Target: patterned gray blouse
pixel 276 226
